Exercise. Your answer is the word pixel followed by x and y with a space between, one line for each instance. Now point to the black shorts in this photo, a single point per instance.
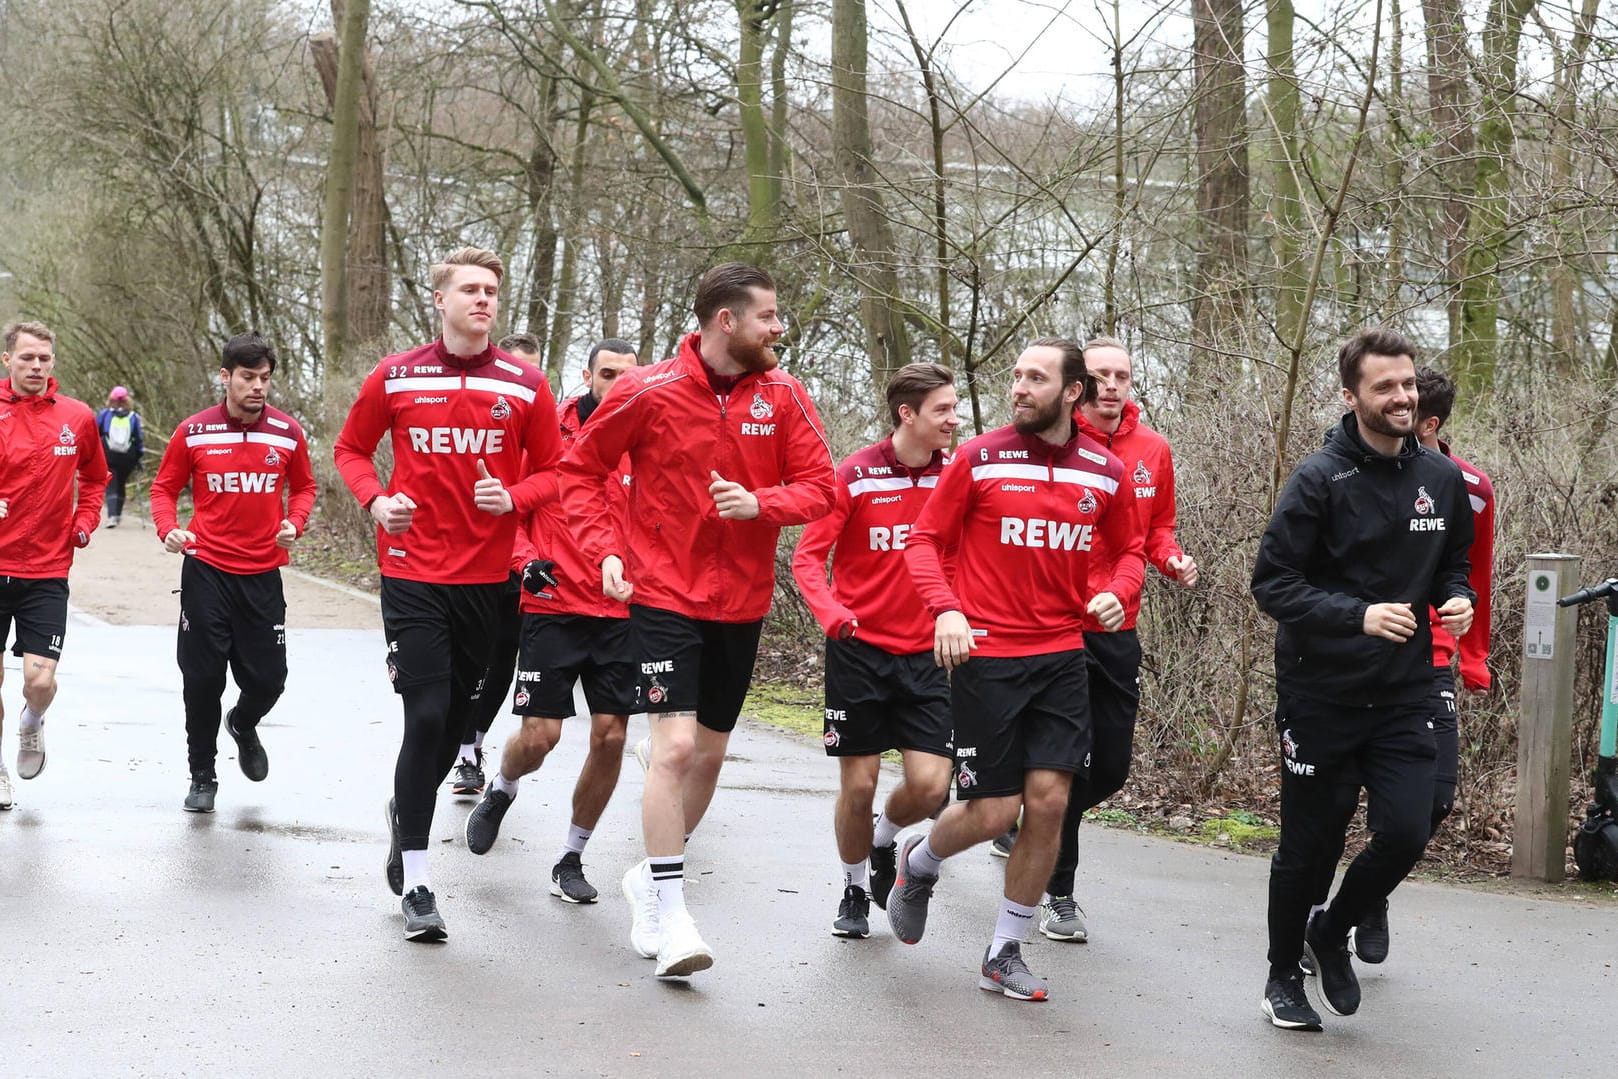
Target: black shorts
pixel 237 619
pixel 877 701
pixel 691 665
pixel 1016 713
pixel 560 649
pixel 440 633
pixel 1446 728
pixel 39 604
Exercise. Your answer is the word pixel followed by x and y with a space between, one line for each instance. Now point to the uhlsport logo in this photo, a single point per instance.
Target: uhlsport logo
pixel 760 408
pixel 1087 504
pixel 1424 501
pixel 1142 473
pixel 500 409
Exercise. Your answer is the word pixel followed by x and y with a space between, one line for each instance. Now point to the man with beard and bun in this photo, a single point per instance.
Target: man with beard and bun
pixel 883 690
pixel 474 436
pixel 725 450
pixel 570 631
pixel 1371 532
pixel 1021 508
pixel 252 488
pixel 52 476
pixel 1113 659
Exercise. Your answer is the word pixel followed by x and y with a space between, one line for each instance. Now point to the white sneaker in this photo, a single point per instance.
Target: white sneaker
pixel 644 931
pixel 30 751
pixel 682 950
pixel 643 753
pixel 5 789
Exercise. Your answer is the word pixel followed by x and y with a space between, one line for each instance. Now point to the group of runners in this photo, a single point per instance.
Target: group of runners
pixel 979 606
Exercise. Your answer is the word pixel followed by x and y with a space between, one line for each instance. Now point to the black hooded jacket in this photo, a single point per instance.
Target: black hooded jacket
pixel 1353 528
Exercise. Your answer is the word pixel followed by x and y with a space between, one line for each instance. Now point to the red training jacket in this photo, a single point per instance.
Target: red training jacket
pixel 45 440
pixel 446 413
pixel 1474 647
pixel 1021 516
pixel 245 480
pixel 878 500
pixel 544 534
pixel 681 556
pixel 1149 485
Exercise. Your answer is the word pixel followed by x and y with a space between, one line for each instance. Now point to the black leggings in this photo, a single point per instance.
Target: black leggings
pixel 502 664
pixel 434 717
pixel 117 484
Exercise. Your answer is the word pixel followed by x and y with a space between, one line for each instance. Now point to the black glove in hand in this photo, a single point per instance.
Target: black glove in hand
pixel 539 575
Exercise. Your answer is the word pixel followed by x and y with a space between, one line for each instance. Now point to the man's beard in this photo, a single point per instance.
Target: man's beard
pixel 1041 420
pixel 1379 422
pixel 754 358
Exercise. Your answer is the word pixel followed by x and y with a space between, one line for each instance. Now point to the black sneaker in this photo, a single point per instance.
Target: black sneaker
pixel 567 880
pixel 853 914
pixel 422 920
pixel 203 788
pixel 1339 988
pixel 1287 1005
pixel 469 780
pixel 483 823
pixel 884 871
pixel 395 863
pixel 249 750
pixel 1370 938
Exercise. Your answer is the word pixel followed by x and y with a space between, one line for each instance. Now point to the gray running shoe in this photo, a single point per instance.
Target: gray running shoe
pixel 5 789
pixel 1287 1005
pixel 30 751
pixel 1001 845
pixel 203 788
pixel 853 914
pixel 1006 973
pixel 394 868
pixel 1060 918
pixel 422 920
pixel 483 823
pixel 568 883
pixel 907 903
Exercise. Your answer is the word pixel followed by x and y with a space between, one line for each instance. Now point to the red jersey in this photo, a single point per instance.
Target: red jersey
pixel 878 500
pixel 46 441
pixel 1021 516
pixel 1474 647
pixel 245 480
pixel 545 535
pixel 1149 486
pixel 446 413
pixel 679 554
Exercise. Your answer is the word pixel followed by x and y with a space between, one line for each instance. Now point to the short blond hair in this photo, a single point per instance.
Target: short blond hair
pixel 466 256
pixel 32 329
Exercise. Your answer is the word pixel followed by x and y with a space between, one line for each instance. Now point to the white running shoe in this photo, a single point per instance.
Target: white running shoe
pixel 643 753
pixel 30 751
pixel 5 789
pixel 682 951
pixel 644 931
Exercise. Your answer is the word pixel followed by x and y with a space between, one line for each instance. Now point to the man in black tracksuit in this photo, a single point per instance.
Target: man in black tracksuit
pixel 1370 530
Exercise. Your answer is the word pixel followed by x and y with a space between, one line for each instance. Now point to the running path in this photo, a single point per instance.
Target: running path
pixel 262 940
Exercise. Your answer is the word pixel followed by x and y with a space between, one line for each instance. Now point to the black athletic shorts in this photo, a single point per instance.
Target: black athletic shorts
pixel 687 664
pixel 1016 713
pixel 1446 728
pixel 560 649
pixel 877 701
pixel 39 605
pixel 440 632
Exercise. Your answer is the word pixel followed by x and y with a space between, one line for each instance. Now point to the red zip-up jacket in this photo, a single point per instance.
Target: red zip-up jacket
pixel 45 439
pixel 1022 516
pixel 681 556
pixel 245 480
pixel 1149 485
pixel 1474 647
pixel 446 413
pixel 878 500
pixel 544 534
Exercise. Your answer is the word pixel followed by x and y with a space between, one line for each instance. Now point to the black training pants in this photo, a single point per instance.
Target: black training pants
pixel 234 620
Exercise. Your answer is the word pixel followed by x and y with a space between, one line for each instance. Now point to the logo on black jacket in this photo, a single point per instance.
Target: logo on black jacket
pixel 760 408
pixel 1424 501
pixel 1142 473
pixel 1288 746
pixel 66 438
pixel 500 409
pixel 272 458
pixel 1087 504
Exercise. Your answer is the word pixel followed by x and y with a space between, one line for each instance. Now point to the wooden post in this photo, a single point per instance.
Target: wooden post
pixel 1545 725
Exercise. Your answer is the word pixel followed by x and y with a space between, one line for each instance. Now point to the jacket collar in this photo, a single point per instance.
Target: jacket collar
pixel 1126 423
pixel 9 394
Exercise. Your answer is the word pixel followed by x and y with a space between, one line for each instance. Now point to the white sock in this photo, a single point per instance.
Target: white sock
pixel 29 719
pixel 507 787
pixel 469 752
pixel 576 839
pixel 885 832
pixel 922 860
pixel 668 879
pixel 415 869
pixel 1012 925
pixel 477 743
pixel 856 873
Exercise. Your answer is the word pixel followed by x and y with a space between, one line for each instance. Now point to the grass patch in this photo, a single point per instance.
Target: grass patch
pixel 787 707
pixel 1239 829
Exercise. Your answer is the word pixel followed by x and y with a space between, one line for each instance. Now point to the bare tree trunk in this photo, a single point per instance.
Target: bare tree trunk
pixel 1393 286
pixel 340 181
pixel 1447 93
pixel 870 235
pixel 1219 304
pixel 780 152
pixel 762 215
pixel 1109 284
pixel 1286 207
pixel 567 279
pixel 1570 68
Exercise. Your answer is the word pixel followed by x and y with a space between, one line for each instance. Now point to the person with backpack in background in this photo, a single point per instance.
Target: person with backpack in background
pixel 122 440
